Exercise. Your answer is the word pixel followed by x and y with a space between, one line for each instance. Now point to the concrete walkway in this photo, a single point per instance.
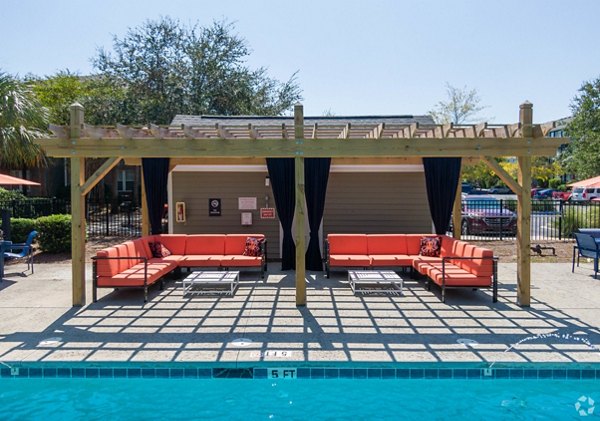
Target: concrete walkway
pixel 38 323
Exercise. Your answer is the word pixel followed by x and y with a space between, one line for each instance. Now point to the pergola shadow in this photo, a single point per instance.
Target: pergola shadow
pixel 337 327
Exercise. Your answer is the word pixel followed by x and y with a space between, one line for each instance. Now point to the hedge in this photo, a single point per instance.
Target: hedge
pixel 20 229
pixel 55 233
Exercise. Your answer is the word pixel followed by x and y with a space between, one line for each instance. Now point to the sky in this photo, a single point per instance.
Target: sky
pixel 374 57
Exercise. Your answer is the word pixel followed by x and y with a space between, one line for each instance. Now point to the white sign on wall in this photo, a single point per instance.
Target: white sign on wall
pixel 247 203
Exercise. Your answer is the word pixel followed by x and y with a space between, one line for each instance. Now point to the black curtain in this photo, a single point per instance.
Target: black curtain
pixel 156 172
pixel 441 179
pixel 316 174
pixel 281 174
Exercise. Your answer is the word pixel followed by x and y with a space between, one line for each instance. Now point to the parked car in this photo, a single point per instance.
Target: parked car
pixel 485 215
pixel 581 194
pixel 544 194
pixel 500 190
pixel 561 195
pixel 535 190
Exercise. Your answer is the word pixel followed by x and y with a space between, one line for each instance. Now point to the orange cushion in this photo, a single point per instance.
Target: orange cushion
pixel 386 244
pixel 207 260
pixel 235 243
pixel 391 260
pixel 413 244
pixel 348 244
pixel 243 261
pixel 205 244
pixel 107 267
pixel 350 260
pixel 174 242
pixel 447 246
pixel 134 276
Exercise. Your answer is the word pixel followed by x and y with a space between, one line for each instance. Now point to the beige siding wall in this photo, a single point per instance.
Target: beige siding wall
pixel 376 203
pixel 356 203
pixel 195 188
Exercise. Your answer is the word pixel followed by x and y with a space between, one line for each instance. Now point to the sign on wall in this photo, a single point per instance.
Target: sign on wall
pixel 247 203
pixel 267 213
pixel 214 207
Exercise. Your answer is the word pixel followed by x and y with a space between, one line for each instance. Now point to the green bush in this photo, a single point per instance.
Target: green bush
pixel 6 195
pixel 576 217
pixel 55 233
pixel 20 229
pixel 553 183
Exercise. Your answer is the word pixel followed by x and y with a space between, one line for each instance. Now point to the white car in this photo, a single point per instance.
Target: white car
pixel 581 194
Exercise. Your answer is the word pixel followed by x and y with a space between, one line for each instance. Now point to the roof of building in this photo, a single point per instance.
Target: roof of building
pixel 194 120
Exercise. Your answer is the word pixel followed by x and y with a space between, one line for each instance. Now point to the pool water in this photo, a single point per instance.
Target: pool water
pixel 243 399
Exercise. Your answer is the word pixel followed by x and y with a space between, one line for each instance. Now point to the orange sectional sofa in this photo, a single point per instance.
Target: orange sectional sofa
pixel 132 265
pixel 459 264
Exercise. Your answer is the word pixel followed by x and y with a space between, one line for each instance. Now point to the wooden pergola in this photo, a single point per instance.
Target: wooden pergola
pixel 365 143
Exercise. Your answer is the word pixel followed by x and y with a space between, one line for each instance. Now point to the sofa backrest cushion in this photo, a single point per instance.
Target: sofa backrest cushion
pixel 235 243
pixel 478 266
pixel 348 244
pixel 207 244
pixel 386 244
pixel 107 267
pixel 413 244
pixel 176 243
pixel 448 244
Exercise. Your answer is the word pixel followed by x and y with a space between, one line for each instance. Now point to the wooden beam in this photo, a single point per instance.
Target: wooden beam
pixel 99 174
pixel 524 214
pixel 77 212
pixel 281 148
pixel 299 209
pixel 504 176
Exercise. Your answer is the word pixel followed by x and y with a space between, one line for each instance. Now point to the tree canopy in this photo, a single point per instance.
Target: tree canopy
pixel 166 69
pixel 583 155
pixel 462 106
pixel 22 120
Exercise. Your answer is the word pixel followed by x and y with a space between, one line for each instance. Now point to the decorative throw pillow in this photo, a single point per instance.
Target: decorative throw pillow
pixel 430 246
pixel 159 250
pixel 253 247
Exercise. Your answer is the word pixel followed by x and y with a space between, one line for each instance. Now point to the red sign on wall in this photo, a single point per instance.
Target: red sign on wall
pixel 267 213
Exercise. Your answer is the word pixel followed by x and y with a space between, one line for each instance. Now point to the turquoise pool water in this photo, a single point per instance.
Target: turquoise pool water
pixel 245 399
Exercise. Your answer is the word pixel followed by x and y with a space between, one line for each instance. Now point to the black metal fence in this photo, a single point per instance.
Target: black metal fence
pixel 483 218
pixel 102 219
pixel 488 218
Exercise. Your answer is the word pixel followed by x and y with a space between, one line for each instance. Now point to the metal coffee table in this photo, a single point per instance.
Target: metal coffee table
pixel 375 282
pixel 211 282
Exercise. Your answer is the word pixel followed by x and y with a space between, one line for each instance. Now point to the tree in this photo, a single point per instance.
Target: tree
pixel 583 155
pixel 103 98
pixel 168 69
pixel 462 106
pixel 22 120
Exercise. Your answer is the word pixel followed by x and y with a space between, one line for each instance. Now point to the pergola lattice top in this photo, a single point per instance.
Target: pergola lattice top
pixel 311 131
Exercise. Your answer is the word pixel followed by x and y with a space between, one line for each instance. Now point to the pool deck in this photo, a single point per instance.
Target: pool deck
pixel 38 323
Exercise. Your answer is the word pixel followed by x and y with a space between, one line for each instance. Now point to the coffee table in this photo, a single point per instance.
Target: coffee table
pixel 375 282
pixel 211 282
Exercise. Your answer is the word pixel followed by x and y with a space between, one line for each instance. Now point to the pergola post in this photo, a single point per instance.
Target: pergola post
pixel 457 208
pixel 299 209
pixel 524 211
pixel 77 210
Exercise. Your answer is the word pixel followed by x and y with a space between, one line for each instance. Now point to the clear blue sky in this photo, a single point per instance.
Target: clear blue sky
pixel 353 57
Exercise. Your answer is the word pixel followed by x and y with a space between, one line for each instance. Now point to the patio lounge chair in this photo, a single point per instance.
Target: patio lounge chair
pixel 587 246
pixel 22 251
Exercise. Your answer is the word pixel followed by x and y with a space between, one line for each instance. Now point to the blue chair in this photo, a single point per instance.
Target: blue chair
pixel 587 246
pixel 23 250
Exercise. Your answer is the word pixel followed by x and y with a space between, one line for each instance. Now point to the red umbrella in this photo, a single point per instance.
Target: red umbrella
pixel 9 180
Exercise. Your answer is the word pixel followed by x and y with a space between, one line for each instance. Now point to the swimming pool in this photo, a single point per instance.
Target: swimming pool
pixel 384 397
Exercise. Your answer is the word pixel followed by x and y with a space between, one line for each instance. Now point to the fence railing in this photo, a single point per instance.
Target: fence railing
pixel 490 219
pixel 102 219
pixel 481 219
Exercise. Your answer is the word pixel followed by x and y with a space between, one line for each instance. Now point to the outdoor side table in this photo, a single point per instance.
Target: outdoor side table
pixel 211 282
pixel 375 282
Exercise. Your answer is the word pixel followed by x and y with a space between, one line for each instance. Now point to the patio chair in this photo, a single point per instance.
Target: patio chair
pixel 587 246
pixel 22 250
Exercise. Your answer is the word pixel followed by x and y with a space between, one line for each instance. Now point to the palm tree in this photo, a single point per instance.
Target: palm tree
pixel 22 120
